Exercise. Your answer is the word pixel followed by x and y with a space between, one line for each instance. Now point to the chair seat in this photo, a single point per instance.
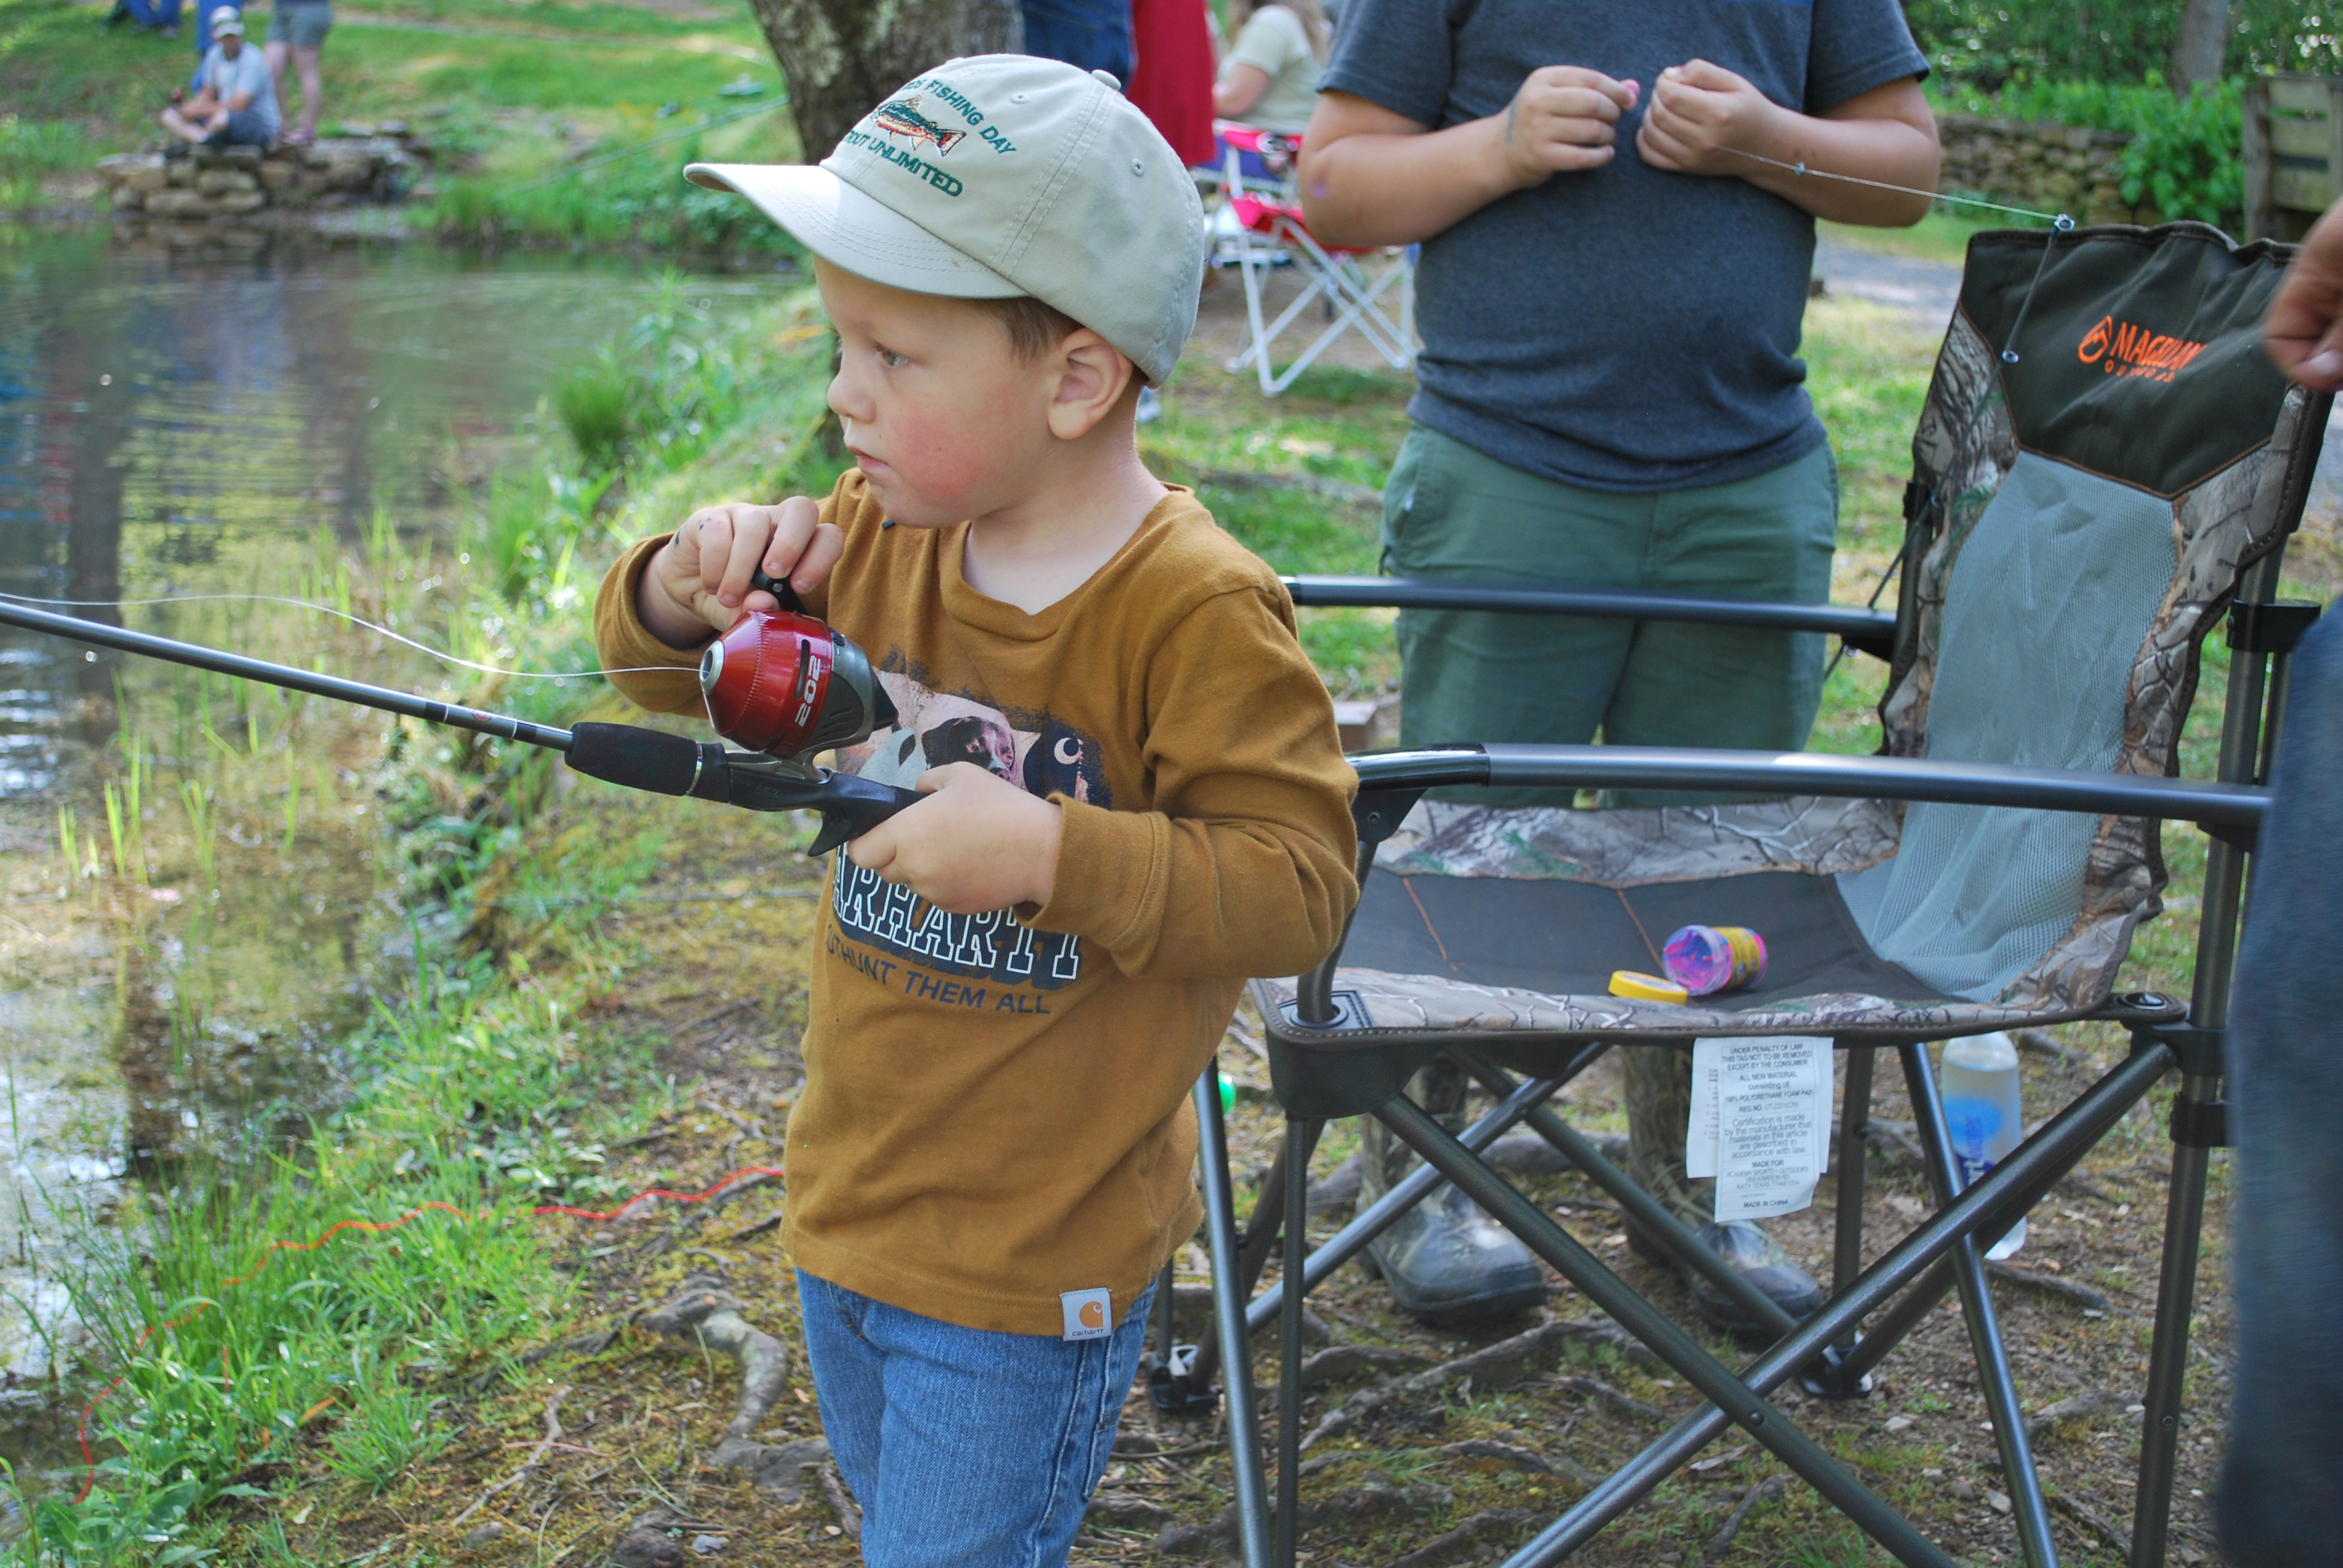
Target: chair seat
pixel 1494 925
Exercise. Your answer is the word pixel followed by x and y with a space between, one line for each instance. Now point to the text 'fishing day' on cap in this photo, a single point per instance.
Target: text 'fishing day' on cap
pixel 999 176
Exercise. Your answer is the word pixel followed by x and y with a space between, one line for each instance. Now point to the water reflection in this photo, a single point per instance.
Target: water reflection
pixel 170 425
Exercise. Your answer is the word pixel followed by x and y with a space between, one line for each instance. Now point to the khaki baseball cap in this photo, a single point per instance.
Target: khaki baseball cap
pixel 1000 175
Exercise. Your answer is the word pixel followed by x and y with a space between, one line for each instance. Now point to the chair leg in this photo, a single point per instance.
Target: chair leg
pixel 1412 1190
pixel 1254 1245
pixel 1830 1378
pixel 2032 1518
pixel 1228 1319
pixel 2008 1191
pixel 1301 1138
pixel 2168 1356
pixel 1641 1206
pixel 1640 1319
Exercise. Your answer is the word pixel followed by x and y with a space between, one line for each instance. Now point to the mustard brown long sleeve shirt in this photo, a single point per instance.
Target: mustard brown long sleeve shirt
pixel 995 1111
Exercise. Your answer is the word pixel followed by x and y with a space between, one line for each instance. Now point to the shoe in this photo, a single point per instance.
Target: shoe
pixel 1755 1256
pixel 1448 1263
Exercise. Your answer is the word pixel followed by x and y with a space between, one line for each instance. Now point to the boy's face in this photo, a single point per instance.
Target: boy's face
pixel 945 420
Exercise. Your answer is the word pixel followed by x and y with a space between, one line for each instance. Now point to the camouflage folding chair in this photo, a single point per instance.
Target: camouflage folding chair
pixel 2105 465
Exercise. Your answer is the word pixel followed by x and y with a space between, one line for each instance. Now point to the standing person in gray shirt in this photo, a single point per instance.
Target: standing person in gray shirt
pixel 1610 295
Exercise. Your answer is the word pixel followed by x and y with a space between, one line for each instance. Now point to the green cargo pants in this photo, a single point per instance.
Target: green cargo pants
pixel 1451 512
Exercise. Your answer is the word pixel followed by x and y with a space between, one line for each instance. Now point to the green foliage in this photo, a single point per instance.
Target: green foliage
pixel 473 1094
pixel 2184 155
pixel 1983 44
pixel 641 198
pixel 592 403
pixel 30 152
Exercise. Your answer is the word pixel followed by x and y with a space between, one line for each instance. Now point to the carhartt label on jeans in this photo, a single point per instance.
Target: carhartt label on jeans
pixel 1090 1314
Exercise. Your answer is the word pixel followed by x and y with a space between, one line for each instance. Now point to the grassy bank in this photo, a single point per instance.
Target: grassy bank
pixel 603 993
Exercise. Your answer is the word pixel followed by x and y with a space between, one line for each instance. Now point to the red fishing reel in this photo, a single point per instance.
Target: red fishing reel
pixel 786 684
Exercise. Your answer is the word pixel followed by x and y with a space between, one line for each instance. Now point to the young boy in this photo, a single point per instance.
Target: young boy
pixel 1135 794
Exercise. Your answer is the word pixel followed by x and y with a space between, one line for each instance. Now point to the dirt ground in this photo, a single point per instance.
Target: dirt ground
pixel 1456 1473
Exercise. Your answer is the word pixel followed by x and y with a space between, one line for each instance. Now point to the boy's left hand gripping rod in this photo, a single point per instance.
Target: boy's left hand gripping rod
pixel 622 754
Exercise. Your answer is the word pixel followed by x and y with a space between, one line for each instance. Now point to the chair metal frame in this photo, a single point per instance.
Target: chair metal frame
pixel 1269 226
pixel 1833 1351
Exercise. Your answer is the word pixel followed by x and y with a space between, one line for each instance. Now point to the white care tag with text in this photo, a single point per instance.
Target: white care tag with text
pixel 1761 1106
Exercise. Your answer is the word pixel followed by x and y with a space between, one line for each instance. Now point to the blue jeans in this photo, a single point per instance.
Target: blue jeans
pixel 2281 1497
pixel 244 129
pixel 1092 35
pixel 964 1447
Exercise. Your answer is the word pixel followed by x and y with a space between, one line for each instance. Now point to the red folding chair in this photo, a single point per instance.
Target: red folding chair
pixel 1263 228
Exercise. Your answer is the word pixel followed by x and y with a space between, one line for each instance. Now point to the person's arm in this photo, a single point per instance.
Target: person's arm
pixel 1704 119
pixel 2303 330
pixel 1373 176
pixel 1244 867
pixel 1240 87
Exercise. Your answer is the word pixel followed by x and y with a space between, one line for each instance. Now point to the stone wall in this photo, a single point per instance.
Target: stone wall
pixel 196 183
pixel 2049 168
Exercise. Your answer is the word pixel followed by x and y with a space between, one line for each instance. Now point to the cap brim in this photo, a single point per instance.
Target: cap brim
pixel 859 233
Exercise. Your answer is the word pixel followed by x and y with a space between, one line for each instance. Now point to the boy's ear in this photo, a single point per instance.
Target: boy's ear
pixel 1091 376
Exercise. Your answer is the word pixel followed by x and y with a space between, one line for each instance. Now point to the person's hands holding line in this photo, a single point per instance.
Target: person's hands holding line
pixel 1701 115
pixel 977 842
pixel 1562 118
pixel 698 580
pixel 2303 330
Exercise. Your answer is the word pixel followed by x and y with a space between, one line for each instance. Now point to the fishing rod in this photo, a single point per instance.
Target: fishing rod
pixel 784 683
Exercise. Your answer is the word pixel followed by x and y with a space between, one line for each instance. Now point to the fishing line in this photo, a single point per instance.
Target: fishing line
pixel 2060 223
pixel 268 1255
pixel 355 620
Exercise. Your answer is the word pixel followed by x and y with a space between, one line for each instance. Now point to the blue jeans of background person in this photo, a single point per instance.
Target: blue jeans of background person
pixel 2281 1499
pixel 964 1447
pixel 1094 35
pixel 244 128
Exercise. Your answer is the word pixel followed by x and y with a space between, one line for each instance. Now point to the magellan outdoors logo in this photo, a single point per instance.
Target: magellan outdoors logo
pixel 2119 349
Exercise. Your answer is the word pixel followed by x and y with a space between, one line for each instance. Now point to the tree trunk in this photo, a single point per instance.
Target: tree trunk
pixel 841 58
pixel 2203 45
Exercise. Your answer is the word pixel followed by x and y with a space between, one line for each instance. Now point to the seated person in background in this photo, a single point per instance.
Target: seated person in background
pixel 1269 77
pixel 235 101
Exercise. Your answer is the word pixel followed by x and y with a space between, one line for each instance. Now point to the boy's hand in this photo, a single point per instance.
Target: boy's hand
pixel 977 843
pixel 1701 115
pixel 1563 118
pixel 699 578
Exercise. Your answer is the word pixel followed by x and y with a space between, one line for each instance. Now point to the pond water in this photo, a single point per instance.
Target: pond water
pixel 175 425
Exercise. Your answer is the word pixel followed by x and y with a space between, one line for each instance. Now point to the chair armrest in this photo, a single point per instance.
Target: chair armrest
pixel 1871 631
pixel 2230 811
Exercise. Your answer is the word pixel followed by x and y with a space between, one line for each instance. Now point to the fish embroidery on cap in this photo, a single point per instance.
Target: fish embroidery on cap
pixel 902 118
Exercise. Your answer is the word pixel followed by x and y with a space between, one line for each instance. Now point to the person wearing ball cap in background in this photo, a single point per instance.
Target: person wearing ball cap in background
pixel 1019 978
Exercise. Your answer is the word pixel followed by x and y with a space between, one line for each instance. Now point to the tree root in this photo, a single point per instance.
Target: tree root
pixel 536 1456
pixel 705 1311
pixel 1482 1526
pixel 2077 1407
pixel 1773 1486
pixel 841 1502
pixel 1492 1366
pixel 2050 1285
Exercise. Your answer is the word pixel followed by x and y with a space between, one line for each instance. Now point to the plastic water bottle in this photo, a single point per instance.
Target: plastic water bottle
pixel 1981 1107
